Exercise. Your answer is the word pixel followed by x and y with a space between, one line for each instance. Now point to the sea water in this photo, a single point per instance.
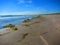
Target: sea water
pixel 13 19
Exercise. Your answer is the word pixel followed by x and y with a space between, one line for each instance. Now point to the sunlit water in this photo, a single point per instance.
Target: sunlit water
pixel 16 19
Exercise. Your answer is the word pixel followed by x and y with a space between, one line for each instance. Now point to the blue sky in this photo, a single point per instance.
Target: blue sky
pixel 21 7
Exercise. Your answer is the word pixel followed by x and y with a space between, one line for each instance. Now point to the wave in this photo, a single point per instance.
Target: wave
pixel 9 17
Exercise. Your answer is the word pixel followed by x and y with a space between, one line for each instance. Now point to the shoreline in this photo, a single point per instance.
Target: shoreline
pixel 4 31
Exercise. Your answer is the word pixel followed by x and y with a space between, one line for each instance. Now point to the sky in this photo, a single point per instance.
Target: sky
pixel 28 7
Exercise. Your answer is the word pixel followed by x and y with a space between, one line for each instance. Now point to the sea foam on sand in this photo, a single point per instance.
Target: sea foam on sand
pixel 5 30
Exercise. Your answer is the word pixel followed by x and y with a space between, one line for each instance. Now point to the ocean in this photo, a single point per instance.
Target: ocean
pixel 13 19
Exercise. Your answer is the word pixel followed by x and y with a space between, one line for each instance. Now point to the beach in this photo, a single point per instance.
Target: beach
pixel 5 31
pixel 43 30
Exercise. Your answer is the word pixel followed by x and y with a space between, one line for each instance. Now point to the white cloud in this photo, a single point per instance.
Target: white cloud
pixel 26 13
pixel 21 13
pixel 30 1
pixel 21 1
pixel 37 10
pixel 24 1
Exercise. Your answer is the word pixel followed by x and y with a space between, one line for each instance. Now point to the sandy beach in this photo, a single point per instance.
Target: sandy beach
pixel 39 31
pixel 5 31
